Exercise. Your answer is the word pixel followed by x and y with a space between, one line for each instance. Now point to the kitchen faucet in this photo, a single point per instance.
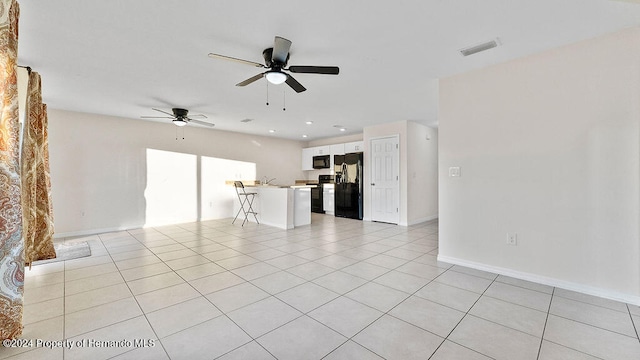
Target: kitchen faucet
pixel 266 180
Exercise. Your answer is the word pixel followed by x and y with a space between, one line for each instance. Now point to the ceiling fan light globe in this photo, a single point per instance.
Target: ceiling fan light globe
pixel 276 77
pixel 179 122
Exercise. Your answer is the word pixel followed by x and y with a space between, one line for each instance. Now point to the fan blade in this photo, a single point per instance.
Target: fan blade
pixel 198 115
pixel 202 123
pixel 156 117
pixel 224 57
pixel 280 50
pixel 250 80
pixel 162 111
pixel 327 70
pixel 295 85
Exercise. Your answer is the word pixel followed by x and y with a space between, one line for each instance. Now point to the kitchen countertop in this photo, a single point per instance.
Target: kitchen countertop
pixel 282 186
pixel 257 184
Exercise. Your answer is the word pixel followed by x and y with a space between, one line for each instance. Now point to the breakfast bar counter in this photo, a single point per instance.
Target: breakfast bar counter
pixel 284 207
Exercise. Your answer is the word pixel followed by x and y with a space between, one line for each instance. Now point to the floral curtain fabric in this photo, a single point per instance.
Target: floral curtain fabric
pixel 11 244
pixel 36 181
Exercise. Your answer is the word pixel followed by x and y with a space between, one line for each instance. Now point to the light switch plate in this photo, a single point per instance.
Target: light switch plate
pixel 454 171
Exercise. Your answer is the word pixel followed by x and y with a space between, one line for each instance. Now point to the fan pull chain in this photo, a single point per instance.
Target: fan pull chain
pixel 177 129
pixel 284 100
pixel 267 93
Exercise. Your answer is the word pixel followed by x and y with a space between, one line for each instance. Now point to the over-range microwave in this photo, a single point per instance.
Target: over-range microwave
pixel 321 161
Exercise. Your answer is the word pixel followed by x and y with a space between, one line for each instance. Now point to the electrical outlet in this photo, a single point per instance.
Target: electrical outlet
pixel 512 239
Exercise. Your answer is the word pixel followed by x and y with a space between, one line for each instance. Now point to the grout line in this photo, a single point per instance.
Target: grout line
pixel 578 351
pixel 139 307
pixel 222 313
pixel 595 326
pixel 633 323
pixel 383 313
pixel 546 320
pixel 588 303
pixel 514 303
pixel 463 316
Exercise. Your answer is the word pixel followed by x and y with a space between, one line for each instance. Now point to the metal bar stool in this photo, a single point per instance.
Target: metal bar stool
pixel 246 202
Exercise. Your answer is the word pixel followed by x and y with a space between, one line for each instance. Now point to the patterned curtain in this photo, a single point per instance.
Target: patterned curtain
pixel 36 182
pixel 11 245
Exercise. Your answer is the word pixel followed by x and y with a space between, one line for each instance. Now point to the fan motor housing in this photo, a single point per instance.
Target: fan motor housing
pixel 180 113
pixel 267 54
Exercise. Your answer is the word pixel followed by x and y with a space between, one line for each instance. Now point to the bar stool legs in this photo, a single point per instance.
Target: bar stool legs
pixel 246 203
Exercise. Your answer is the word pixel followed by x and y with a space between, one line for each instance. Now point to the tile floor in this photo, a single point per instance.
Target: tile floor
pixel 338 289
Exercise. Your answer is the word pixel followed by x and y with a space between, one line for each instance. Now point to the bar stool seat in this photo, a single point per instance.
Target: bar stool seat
pixel 246 202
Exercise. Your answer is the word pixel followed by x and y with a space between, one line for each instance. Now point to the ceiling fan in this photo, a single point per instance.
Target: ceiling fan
pixel 276 59
pixel 179 117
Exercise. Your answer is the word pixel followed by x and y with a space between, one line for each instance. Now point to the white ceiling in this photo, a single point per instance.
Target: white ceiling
pixel 122 58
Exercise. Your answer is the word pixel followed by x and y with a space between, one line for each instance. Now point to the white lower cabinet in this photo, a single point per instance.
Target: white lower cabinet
pixel 328 198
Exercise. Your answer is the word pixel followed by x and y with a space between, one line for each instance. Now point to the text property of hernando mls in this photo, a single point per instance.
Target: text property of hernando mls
pixel 79 343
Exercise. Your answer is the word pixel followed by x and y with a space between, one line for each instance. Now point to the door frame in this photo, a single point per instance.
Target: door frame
pixel 370 173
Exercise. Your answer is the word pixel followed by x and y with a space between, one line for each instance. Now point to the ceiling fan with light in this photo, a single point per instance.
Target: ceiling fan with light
pixel 276 59
pixel 179 117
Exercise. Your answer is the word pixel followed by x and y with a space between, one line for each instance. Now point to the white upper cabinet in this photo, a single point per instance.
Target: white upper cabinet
pixel 307 159
pixel 337 149
pixel 321 150
pixel 356 146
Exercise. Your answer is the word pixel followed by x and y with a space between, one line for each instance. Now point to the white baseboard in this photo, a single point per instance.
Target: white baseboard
pixel 121 228
pixel 422 219
pixel 93 231
pixel 412 222
pixel 567 285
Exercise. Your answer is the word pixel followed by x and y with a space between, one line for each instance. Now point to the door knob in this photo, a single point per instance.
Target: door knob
pixel 373 184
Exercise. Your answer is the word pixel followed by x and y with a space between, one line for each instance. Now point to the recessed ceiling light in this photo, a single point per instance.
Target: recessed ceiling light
pixel 304 136
pixel 309 122
pixel 272 131
pixel 343 129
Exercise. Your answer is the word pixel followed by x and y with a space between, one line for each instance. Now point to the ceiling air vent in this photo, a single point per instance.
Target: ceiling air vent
pixel 480 47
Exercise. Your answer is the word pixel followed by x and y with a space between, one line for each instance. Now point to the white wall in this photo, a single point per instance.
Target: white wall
pixel 102 179
pixel 422 173
pixel 548 147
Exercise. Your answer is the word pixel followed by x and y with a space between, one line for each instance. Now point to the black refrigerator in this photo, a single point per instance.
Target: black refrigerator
pixel 348 188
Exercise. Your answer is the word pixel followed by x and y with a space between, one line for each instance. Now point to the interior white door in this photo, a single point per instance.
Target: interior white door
pixel 385 182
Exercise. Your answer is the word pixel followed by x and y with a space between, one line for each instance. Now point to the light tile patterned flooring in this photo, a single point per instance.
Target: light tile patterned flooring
pixel 338 289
